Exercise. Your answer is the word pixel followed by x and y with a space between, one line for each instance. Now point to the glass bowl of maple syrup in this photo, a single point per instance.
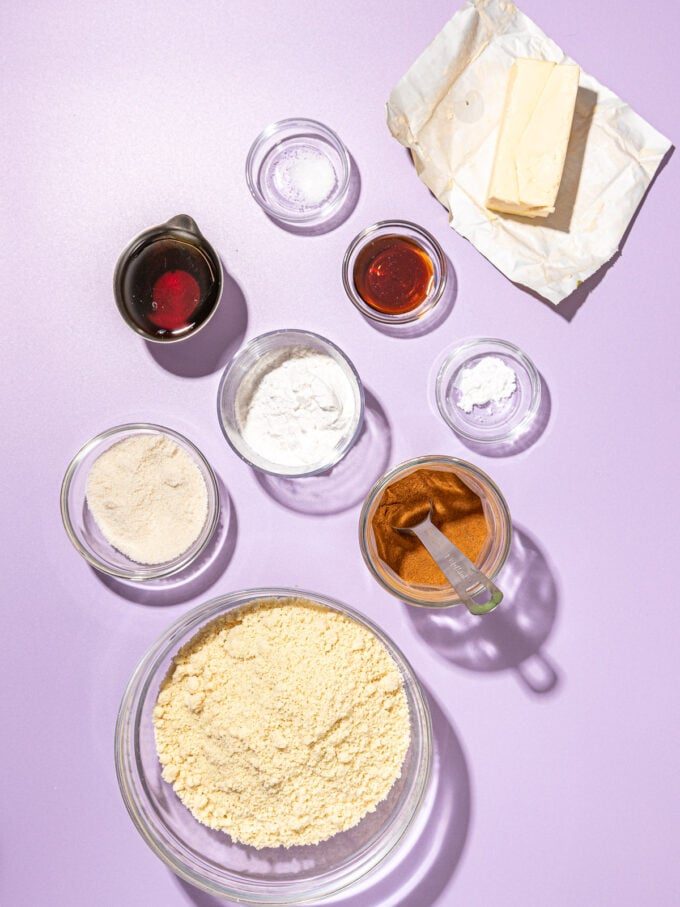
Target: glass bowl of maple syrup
pixel 394 272
pixel 168 281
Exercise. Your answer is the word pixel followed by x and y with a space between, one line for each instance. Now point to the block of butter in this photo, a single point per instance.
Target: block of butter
pixel 533 138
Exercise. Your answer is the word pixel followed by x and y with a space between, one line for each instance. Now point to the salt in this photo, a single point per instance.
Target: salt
pixel 489 380
pixel 303 177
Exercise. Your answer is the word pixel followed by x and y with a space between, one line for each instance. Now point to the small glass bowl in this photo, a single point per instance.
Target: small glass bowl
pixel 210 859
pixel 253 356
pixel 284 138
pixel 494 553
pixel 418 235
pixel 495 422
pixel 82 529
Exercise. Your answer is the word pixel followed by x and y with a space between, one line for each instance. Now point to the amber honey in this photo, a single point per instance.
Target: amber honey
pixel 393 274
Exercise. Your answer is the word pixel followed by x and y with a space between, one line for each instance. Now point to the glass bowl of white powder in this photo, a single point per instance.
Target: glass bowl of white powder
pixel 212 859
pixel 488 391
pixel 291 403
pixel 298 171
pixel 140 502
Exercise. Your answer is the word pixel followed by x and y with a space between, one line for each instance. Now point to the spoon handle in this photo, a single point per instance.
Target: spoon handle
pixel 459 570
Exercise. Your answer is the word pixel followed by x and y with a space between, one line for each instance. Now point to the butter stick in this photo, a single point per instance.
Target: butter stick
pixel 533 137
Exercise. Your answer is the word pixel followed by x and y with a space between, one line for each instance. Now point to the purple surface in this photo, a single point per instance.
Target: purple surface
pixel 117 116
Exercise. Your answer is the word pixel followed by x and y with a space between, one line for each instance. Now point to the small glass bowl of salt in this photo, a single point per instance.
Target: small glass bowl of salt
pixel 488 391
pixel 298 171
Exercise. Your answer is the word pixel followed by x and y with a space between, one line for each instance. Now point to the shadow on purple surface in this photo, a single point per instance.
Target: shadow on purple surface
pixel 430 322
pixel 525 441
pixel 572 303
pixel 340 216
pixel 345 484
pixel 197 578
pixel 420 869
pixel 210 349
pixel 511 637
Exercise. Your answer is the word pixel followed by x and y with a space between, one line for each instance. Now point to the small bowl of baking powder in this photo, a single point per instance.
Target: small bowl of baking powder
pixel 140 502
pixel 488 391
pixel 290 403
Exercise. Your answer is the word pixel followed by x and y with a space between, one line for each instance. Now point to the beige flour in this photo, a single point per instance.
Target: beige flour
pixel 283 723
pixel 148 498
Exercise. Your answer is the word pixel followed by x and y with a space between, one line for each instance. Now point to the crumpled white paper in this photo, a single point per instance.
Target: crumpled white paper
pixel 447 110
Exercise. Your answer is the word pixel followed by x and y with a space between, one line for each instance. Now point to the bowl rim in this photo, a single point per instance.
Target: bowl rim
pixel 351 439
pixel 327 210
pixel 179 225
pixel 428 240
pixel 150 573
pixel 128 722
pixel 389 477
pixel 469 346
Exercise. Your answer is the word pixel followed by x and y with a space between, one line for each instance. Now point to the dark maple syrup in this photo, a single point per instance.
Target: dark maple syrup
pixel 170 286
pixel 393 274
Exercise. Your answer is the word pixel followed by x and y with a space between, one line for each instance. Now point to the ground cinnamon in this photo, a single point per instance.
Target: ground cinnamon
pixel 456 511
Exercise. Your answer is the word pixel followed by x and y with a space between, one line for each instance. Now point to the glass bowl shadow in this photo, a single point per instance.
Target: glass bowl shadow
pixel 243 373
pixel 84 532
pixel 494 552
pixel 210 859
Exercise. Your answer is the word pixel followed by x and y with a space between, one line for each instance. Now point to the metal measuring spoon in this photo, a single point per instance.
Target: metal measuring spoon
pixel 458 569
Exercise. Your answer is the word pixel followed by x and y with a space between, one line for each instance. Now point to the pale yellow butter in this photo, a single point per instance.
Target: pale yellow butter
pixel 533 138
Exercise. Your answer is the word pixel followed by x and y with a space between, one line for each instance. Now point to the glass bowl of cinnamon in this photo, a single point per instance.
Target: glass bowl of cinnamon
pixel 466 505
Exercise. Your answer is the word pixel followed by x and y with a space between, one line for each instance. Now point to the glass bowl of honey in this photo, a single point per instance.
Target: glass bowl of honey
pixel 394 272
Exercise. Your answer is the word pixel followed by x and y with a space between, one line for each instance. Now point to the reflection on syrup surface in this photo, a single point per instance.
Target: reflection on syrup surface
pixel 170 287
pixel 393 274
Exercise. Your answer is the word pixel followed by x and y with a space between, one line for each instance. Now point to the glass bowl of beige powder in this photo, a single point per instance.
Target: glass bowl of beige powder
pixel 273 747
pixel 140 502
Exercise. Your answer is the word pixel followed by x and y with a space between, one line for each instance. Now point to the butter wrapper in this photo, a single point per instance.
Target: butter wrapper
pixel 447 110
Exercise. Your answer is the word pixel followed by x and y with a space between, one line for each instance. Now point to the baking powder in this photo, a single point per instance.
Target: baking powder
pixel 489 380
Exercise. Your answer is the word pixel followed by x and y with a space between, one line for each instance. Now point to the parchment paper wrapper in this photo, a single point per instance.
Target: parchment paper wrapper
pixel 447 110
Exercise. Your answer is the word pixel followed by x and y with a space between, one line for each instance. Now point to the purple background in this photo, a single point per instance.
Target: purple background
pixel 117 116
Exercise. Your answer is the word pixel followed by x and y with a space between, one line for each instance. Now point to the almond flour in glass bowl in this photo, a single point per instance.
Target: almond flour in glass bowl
pixel 210 859
pixel 87 537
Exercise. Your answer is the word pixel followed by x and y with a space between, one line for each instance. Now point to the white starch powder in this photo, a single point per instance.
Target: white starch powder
pixel 148 498
pixel 489 380
pixel 295 407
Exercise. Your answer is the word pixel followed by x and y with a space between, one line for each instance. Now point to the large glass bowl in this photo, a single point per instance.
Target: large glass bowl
pixel 495 551
pixel 211 860
pixel 82 529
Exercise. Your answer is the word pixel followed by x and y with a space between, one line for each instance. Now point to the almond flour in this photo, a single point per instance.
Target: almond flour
pixel 148 498
pixel 282 723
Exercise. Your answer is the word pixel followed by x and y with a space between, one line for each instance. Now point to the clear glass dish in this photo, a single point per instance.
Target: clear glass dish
pixel 210 859
pixel 494 553
pixel 254 355
pixel 270 155
pixel 86 535
pixel 506 420
pixel 418 235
